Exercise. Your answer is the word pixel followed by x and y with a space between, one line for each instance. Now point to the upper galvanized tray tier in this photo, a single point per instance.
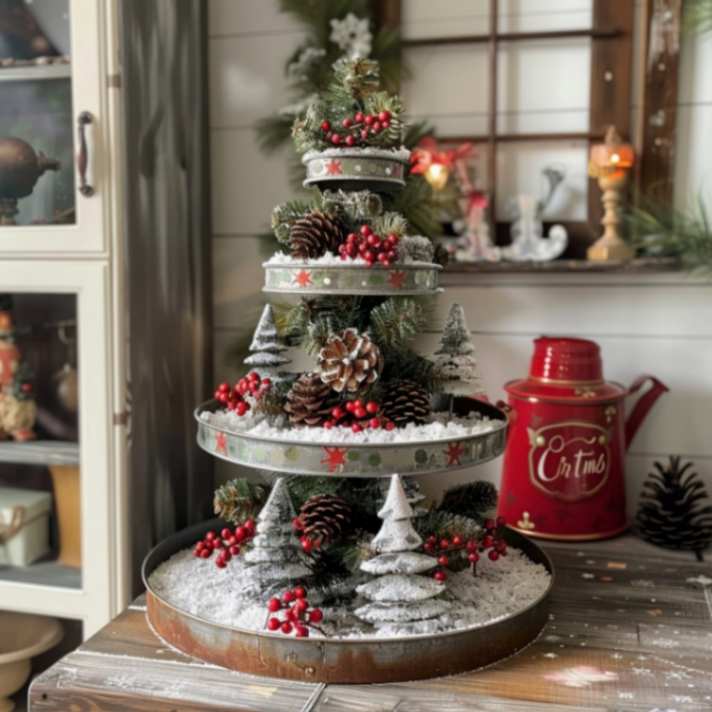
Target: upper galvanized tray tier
pixel 356 168
pixel 338 660
pixel 292 456
pixel 311 277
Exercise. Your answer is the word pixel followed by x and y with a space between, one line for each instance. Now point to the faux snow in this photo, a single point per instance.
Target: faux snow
pixel 441 426
pixel 227 596
pixel 396 154
pixel 329 259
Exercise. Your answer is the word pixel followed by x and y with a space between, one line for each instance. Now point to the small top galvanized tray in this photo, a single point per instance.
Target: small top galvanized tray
pixel 343 459
pixel 356 168
pixel 311 277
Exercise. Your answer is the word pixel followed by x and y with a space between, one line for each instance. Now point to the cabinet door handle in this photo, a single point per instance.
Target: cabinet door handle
pixel 83 154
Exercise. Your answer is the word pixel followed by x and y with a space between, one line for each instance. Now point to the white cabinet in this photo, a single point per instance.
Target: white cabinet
pixel 64 238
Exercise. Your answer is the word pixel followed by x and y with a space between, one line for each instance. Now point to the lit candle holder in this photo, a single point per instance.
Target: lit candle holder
pixel 610 163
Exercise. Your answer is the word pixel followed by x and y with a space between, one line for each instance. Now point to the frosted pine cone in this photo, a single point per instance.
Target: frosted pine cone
pixel 324 518
pixel 405 402
pixel 350 361
pixel 309 400
pixel 314 235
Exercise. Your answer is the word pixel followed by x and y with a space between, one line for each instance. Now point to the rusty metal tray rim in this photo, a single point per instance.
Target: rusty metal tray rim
pixel 191 533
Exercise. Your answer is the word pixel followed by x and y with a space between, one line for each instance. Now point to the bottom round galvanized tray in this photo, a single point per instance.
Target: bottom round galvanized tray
pixel 332 660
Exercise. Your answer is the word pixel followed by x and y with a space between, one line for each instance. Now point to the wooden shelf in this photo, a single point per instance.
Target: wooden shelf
pixel 40 452
pixel 642 265
pixel 35 72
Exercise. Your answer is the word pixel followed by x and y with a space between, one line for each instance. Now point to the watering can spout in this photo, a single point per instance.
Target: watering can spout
pixel 643 405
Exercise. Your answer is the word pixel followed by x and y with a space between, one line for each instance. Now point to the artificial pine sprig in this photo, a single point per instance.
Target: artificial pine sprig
pixel 238 499
pixel 396 322
pixel 286 214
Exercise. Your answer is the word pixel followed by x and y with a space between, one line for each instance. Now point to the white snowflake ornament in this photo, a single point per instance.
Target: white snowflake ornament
pixel 352 36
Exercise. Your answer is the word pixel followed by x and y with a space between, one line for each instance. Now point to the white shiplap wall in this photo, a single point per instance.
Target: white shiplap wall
pixel 660 324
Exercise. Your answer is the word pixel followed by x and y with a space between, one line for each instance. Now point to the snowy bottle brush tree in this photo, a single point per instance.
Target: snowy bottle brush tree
pixel 455 359
pixel 401 599
pixel 267 349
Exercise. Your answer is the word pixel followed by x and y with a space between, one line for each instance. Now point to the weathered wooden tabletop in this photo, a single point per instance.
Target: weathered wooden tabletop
pixel 630 630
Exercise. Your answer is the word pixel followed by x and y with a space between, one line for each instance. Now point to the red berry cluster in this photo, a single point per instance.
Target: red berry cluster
pixel 371 247
pixel 226 544
pixel 234 398
pixel 297 615
pixel 356 129
pixel 308 543
pixel 451 552
pixel 358 416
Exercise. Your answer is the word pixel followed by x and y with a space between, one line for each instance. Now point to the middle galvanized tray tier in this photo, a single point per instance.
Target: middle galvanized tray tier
pixel 289 455
pixel 314 278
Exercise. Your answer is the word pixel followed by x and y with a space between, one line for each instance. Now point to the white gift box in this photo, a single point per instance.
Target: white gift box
pixel 24 525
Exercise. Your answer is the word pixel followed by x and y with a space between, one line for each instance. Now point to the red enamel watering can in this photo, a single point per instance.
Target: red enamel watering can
pixel 563 475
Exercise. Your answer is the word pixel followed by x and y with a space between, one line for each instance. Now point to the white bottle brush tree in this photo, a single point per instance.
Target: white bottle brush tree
pixel 267 349
pixel 275 552
pixel 455 360
pixel 401 597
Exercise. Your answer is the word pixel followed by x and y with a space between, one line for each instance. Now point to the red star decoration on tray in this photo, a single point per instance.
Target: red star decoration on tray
pixel 303 278
pixel 334 168
pixel 396 278
pixel 454 452
pixel 334 458
pixel 221 443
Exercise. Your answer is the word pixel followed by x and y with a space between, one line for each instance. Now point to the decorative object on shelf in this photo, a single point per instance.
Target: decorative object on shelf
pixel 24 636
pixel 528 242
pixel 66 483
pixel 564 461
pixel 67 379
pixel 267 349
pixel 400 598
pixel 610 163
pixel 675 511
pixel 438 165
pixel 17 405
pixel 20 168
pixel 21 37
pixel 24 525
pixel 659 231
pixel 455 358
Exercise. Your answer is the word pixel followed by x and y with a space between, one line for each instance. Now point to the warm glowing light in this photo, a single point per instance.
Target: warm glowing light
pixel 437 175
pixel 615 158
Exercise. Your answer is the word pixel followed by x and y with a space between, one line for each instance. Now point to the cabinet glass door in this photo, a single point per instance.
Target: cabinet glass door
pixel 50 118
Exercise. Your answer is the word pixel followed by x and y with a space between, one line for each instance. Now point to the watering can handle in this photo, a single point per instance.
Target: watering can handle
pixel 643 404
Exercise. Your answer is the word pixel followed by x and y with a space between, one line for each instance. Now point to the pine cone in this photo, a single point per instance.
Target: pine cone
pixel 672 513
pixel 325 518
pixel 315 234
pixel 309 400
pixel 350 361
pixel 405 402
pixel 238 499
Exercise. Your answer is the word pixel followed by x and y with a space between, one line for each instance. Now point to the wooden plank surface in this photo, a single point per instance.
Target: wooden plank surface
pixel 40 452
pixel 630 630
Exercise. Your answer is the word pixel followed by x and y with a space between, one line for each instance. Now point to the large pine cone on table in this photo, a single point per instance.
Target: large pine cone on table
pixel 309 400
pixel 350 361
pixel 324 518
pixel 314 235
pixel 405 402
